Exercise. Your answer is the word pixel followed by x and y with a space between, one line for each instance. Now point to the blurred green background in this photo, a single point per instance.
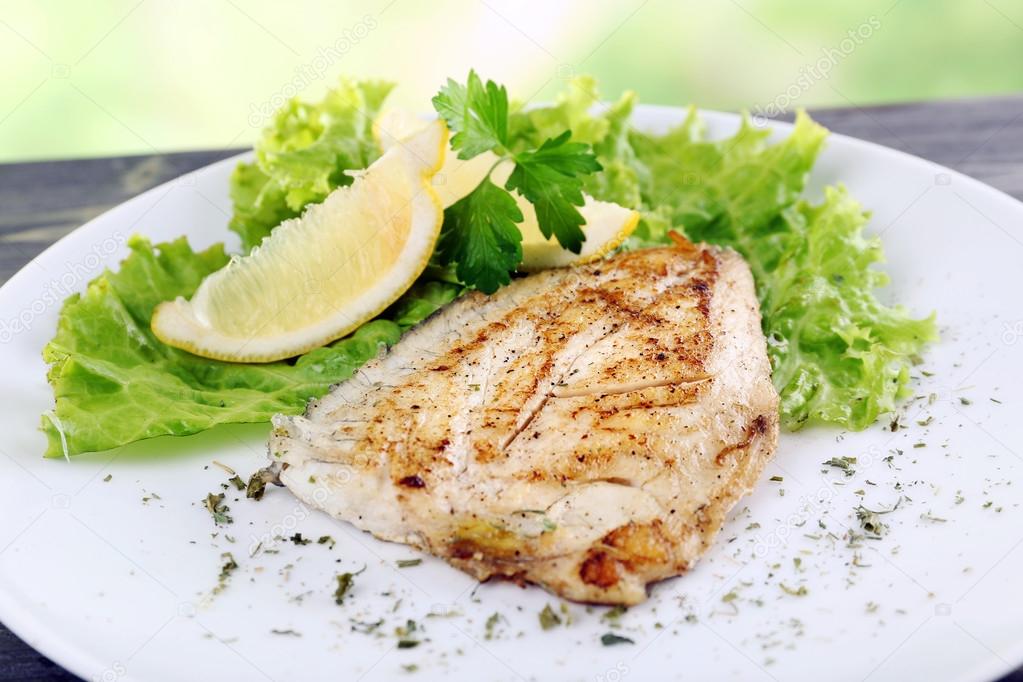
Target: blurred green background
pixel 119 77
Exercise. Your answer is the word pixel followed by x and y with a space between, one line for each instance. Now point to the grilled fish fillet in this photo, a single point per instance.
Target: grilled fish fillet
pixel 585 429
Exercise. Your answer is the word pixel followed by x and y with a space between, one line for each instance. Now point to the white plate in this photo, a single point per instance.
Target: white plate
pixel 114 588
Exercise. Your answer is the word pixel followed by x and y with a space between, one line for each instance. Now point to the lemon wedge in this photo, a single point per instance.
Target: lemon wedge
pixel 457 177
pixel 607 224
pixel 320 276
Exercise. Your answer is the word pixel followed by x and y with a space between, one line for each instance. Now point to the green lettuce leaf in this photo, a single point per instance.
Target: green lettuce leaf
pixel 259 204
pixel 838 355
pixel 426 297
pixel 115 382
pixel 304 154
pixel 719 190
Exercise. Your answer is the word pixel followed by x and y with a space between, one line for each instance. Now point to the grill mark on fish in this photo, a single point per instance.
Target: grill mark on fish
pixel 553 385
pixel 561 392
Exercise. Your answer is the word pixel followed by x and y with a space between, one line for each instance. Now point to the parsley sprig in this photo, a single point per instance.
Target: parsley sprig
pixel 480 233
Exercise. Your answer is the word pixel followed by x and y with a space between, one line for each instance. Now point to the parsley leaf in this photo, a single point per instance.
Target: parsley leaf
pixel 610 639
pixel 550 179
pixel 477 112
pixel 480 235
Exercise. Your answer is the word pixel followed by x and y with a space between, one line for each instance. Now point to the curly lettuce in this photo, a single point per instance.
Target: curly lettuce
pixel 303 155
pixel 838 355
pixel 115 382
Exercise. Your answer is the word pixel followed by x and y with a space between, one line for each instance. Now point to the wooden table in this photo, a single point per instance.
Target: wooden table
pixel 41 202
